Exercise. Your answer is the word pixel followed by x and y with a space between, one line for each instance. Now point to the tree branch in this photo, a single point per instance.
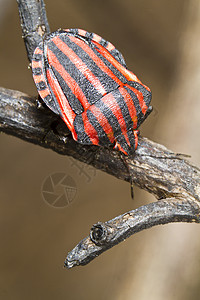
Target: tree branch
pixel 154 168
pixel 34 23
pixel 103 236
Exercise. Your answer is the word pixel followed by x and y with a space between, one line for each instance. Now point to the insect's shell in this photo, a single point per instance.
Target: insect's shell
pixel 84 79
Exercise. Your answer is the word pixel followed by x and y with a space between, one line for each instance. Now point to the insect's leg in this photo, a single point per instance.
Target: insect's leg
pixel 40 104
pixel 123 157
pixel 132 192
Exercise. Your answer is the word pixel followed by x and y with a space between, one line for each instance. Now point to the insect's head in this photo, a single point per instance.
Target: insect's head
pixel 127 142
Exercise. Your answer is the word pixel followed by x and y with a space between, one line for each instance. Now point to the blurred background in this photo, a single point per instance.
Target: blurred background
pixel 161 45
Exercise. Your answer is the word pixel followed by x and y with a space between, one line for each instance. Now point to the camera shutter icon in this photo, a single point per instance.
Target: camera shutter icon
pixel 59 189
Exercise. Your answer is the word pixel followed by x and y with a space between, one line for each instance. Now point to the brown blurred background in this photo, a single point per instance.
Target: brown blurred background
pixel 161 44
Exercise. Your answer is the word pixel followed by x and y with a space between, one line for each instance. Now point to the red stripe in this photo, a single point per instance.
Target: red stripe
pixel 36 64
pixel 109 101
pixel 67 113
pixel 110 47
pixel 96 59
pixel 82 32
pixel 75 59
pixel 130 105
pixel 38 51
pixel 76 90
pixel 38 78
pixel 119 147
pixel 135 132
pixel 140 98
pixel 96 37
pixel 103 122
pixel 44 93
pixel 127 74
pixel 90 130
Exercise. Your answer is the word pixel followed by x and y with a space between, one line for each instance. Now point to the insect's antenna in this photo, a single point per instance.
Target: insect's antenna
pixel 128 168
pixel 131 182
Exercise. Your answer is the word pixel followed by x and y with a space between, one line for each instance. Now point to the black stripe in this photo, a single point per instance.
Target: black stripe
pixel 135 101
pixel 131 139
pixel 118 56
pixel 37 71
pixel 112 120
pixel 124 108
pixel 115 71
pixel 73 31
pixel 88 89
pixel 142 89
pixel 82 137
pixel 103 43
pixel 37 57
pixel 71 98
pixel 146 98
pixel 41 85
pixel 89 35
pixel 48 98
pixel 103 139
pixel 106 81
pixel 51 101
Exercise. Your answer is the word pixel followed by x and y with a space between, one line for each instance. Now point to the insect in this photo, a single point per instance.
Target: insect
pixel 84 79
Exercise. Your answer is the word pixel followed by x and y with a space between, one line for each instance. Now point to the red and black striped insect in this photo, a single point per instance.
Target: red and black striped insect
pixel 84 79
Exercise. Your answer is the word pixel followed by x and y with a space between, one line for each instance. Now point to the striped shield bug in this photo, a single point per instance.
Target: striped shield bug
pixel 84 79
